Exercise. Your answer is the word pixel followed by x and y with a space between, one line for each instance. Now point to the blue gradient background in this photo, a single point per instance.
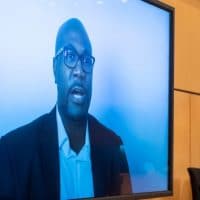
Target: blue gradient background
pixel 131 74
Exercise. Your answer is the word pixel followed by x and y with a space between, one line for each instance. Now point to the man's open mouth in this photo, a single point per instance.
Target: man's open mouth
pixel 78 94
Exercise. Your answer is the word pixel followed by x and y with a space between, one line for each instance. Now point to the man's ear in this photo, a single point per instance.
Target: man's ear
pixel 55 70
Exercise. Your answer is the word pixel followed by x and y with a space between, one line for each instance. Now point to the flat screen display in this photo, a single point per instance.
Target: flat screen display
pixel 132 75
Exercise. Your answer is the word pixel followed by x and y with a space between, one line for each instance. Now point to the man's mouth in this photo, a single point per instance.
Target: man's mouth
pixel 78 94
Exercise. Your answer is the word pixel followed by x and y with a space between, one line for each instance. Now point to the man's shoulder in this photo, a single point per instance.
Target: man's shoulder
pixel 100 132
pixel 26 133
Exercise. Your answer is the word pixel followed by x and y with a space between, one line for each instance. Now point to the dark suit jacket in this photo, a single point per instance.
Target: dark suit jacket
pixel 29 160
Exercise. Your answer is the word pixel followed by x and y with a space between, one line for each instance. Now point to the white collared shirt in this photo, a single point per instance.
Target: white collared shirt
pixel 75 169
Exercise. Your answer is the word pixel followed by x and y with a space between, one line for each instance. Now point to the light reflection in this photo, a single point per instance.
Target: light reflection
pixel 100 2
pixel 124 1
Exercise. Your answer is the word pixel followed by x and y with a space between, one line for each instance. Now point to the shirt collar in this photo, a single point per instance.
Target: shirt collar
pixel 63 141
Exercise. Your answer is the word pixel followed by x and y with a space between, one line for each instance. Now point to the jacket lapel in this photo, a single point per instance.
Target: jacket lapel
pixel 96 158
pixel 50 155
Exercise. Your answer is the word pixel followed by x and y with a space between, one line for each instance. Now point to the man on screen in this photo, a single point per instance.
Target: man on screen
pixel 67 153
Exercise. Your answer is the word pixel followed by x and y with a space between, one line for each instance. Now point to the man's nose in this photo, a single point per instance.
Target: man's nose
pixel 78 70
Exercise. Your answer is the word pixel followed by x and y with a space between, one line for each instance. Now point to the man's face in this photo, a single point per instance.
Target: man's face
pixel 74 85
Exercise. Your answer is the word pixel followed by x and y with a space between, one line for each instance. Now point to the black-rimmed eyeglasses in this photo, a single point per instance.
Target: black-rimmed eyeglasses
pixel 71 59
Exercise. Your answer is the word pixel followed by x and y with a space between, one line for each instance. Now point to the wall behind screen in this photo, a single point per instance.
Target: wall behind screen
pixel 130 83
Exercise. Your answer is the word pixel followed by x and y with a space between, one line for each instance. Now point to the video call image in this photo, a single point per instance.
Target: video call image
pixel 85 89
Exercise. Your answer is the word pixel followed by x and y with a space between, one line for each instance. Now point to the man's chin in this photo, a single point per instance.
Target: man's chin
pixel 78 117
pixel 77 114
pixel 74 111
